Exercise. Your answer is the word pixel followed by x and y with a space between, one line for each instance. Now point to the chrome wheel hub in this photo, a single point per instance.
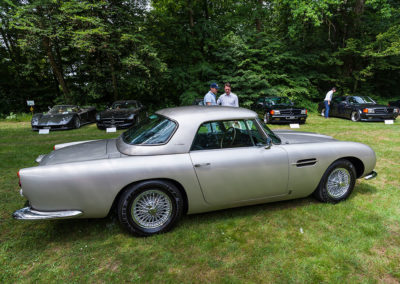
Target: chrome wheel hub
pixel 151 209
pixel 338 182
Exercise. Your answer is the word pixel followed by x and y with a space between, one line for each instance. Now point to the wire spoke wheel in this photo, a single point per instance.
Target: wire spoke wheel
pixel 151 209
pixel 338 182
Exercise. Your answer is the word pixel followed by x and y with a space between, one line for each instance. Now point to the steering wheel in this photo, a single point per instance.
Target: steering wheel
pixel 233 137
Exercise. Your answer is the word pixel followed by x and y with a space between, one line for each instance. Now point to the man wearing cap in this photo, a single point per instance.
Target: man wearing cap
pixel 229 98
pixel 209 98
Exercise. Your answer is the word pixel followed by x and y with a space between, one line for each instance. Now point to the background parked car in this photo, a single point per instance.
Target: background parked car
pixel 395 103
pixel 358 108
pixel 64 117
pixel 121 114
pixel 279 110
pixel 198 102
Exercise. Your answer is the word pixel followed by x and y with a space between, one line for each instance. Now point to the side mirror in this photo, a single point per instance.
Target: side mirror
pixel 49 107
pixel 268 142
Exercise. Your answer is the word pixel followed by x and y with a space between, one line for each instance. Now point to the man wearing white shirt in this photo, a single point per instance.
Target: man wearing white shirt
pixel 229 98
pixel 327 101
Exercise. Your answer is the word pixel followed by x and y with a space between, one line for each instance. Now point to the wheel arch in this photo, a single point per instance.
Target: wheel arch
pixel 174 182
pixel 357 163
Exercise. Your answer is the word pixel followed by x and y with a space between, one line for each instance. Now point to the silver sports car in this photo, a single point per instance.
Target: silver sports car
pixel 189 160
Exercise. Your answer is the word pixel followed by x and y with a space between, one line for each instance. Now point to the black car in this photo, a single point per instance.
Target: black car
pixel 122 114
pixel 358 108
pixel 395 103
pixel 279 110
pixel 64 117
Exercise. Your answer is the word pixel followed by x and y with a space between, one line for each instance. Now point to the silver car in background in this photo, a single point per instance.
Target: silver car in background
pixel 189 160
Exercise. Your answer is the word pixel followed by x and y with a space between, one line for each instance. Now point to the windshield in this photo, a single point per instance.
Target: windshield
pixel 278 101
pixel 153 130
pixel 63 109
pixel 275 139
pixel 361 100
pixel 119 105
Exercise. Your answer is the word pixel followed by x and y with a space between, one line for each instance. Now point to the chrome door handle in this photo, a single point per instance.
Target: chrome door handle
pixel 202 165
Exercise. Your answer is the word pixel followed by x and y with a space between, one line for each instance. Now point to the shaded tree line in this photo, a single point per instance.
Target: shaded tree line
pixel 166 52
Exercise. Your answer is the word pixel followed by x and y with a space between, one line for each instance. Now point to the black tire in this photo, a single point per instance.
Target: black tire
pixel 355 116
pixel 77 123
pixel 169 207
pixel 337 190
pixel 267 118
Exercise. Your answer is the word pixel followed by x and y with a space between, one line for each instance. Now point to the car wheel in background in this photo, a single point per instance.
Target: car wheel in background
pixel 323 112
pixel 267 118
pixel 355 116
pixel 150 207
pixel 77 123
pixel 337 182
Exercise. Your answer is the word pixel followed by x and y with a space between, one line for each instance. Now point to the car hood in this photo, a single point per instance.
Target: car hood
pixel 116 113
pixel 370 105
pixel 297 137
pixel 55 119
pixel 86 151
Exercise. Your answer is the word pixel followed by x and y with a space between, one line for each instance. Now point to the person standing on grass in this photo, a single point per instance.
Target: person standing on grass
pixel 229 98
pixel 327 101
pixel 209 98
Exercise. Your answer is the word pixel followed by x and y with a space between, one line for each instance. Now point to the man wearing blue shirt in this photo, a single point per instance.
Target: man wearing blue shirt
pixel 209 98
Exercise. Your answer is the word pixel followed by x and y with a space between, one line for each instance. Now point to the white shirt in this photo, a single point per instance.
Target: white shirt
pixel 228 100
pixel 329 95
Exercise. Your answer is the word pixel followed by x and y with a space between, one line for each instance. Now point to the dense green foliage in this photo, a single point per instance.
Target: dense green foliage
pixel 166 52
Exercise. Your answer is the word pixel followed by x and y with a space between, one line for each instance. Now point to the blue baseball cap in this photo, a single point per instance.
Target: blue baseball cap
pixel 214 85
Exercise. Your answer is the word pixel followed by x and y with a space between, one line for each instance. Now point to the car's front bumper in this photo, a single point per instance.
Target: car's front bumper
pixel 371 175
pixel 281 118
pixel 29 213
pixel 377 116
pixel 119 125
pixel 52 127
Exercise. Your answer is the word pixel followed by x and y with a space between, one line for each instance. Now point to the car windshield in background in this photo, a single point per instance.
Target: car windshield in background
pixel 275 139
pixel 153 130
pixel 120 105
pixel 62 109
pixel 362 100
pixel 279 101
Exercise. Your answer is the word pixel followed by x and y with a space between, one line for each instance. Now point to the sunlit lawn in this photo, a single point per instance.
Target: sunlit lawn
pixel 293 241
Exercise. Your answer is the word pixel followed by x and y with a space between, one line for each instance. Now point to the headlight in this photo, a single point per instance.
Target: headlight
pixel 303 111
pixel 131 116
pixel 368 110
pixel 97 116
pixel 274 112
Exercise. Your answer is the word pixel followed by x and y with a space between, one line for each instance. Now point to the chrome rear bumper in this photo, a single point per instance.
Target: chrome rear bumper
pixel 371 175
pixel 28 213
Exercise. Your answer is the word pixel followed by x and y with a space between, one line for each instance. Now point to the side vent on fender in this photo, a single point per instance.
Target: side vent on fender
pixel 306 162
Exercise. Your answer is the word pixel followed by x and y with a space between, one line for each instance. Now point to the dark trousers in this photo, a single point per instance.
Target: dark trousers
pixel 326 109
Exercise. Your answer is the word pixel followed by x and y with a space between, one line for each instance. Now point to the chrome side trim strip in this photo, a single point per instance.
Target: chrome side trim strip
pixel 371 175
pixel 28 213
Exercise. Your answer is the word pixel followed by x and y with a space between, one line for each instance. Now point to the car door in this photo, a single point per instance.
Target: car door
pixel 233 165
pixel 342 107
pixel 333 110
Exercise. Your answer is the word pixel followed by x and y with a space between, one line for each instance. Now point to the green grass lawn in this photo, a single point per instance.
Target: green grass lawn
pixel 293 241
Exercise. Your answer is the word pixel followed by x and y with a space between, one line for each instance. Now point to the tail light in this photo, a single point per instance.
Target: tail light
pixel 54 147
pixel 306 111
pixel 19 179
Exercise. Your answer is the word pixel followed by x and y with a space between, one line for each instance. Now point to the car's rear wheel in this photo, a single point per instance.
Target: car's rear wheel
pixel 77 123
pixel 355 116
pixel 323 112
pixel 337 182
pixel 150 207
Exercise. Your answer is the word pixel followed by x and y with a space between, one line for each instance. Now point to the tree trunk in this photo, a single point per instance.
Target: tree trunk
pixel 258 19
pixel 113 78
pixel 56 69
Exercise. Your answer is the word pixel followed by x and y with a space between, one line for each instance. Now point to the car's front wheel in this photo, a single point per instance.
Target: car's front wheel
pixel 337 182
pixel 150 207
pixel 267 118
pixel 323 112
pixel 77 123
pixel 355 116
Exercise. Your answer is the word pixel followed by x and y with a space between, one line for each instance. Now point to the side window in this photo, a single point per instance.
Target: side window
pixel 257 137
pixel 222 134
pixel 337 99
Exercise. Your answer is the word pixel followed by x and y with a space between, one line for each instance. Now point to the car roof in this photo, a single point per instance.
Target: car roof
pixel 199 114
